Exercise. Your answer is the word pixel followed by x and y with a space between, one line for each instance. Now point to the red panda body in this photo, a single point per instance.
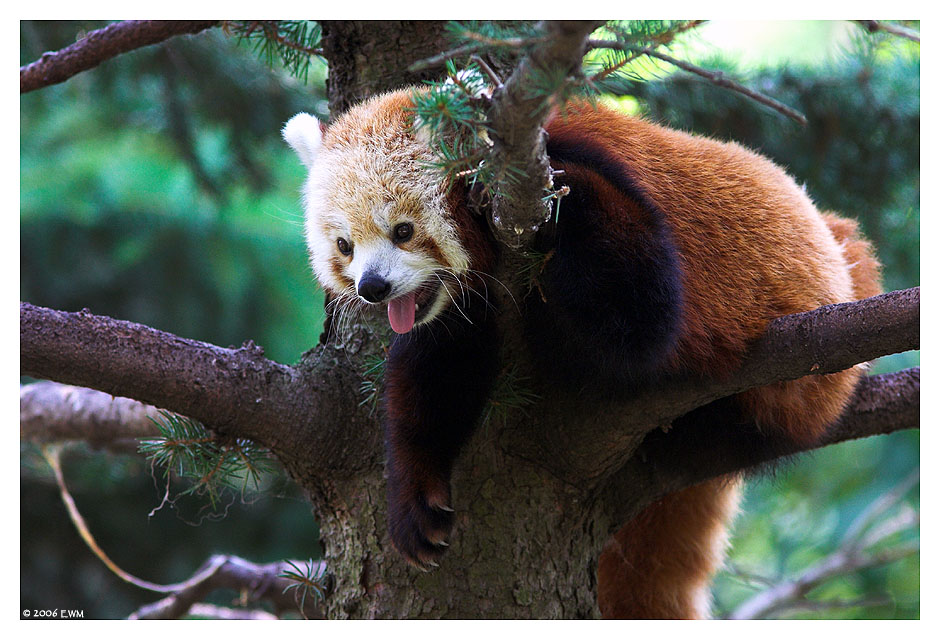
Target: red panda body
pixel 670 256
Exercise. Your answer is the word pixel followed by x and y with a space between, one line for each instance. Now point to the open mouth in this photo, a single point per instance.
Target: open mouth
pixel 411 308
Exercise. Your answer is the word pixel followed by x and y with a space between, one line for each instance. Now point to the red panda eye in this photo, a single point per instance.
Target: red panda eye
pixel 343 246
pixel 402 232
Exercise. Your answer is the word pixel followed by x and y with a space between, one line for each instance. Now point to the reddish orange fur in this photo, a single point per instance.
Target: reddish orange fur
pixel 752 248
pixel 658 566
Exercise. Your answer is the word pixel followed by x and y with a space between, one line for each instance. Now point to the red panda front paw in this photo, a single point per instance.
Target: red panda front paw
pixel 420 518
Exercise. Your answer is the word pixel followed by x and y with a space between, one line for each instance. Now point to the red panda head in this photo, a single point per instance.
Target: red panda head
pixel 377 220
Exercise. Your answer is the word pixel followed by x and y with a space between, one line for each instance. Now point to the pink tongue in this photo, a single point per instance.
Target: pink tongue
pixel 401 313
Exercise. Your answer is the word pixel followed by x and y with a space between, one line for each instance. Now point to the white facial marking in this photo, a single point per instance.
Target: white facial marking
pixel 368 174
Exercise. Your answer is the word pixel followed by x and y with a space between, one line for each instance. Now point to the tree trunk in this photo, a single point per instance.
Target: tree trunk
pixel 367 57
pixel 524 544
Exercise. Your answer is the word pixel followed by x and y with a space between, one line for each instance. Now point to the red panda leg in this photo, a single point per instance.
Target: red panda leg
pixel 659 564
pixel 437 380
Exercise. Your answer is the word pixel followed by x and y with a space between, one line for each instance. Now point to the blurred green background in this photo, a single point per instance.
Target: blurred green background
pixel 156 188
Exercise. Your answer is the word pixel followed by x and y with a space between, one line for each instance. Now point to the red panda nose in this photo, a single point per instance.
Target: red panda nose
pixel 372 288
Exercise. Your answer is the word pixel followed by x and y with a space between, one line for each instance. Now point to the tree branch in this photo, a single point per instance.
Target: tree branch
pixel 669 462
pixel 718 78
pixel 52 412
pixel 880 25
pixel 824 340
pixel 96 47
pixel 259 582
pixel 294 411
pixel 848 558
pixel 519 110
pixel 215 385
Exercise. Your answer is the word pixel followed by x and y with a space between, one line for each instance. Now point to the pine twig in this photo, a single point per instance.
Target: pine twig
pixel 715 77
pixel 488 70
pixel 879 25
pixel 478 42
pixel 658 41
pixel 271 32
pixel 256 582
pixel 264 582
pixel 96 47
pixel 450 54
pixel 718 78
pixel 52 456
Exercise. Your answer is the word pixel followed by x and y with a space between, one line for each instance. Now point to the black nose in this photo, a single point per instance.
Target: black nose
pixel 373 288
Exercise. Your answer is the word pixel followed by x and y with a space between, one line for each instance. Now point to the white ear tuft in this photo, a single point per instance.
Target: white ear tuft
pixel 302 133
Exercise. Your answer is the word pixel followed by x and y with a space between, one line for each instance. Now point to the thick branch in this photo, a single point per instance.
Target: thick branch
pixel 96 47
pixel 519 110
pixel 668 462
pixel 295 410
pixel 194 378
pixel 237 392
pixel 52 412
pixel 825 340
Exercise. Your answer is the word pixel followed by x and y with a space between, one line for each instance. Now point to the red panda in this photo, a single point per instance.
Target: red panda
pixel 672 253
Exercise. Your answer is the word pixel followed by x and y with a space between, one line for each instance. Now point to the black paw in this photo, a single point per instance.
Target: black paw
pixel 419 519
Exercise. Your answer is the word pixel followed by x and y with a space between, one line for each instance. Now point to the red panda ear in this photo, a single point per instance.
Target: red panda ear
pixel 304 133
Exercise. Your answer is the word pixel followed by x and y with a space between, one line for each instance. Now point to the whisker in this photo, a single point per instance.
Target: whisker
pixel 443 284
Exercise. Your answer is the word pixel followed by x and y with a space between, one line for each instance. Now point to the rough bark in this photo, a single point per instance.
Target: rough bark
pixel 96 47
pixel 371 56
pixel 518 112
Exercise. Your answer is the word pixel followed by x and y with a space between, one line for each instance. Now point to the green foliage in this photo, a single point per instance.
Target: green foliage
pixel 509 396
pixel 642 33
pixel 309 580
pixel 292 42
pixel 371 385
pixel 454 111
pixel 782 530
pixel 186 448
pixel 453 114
pixel 187 221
